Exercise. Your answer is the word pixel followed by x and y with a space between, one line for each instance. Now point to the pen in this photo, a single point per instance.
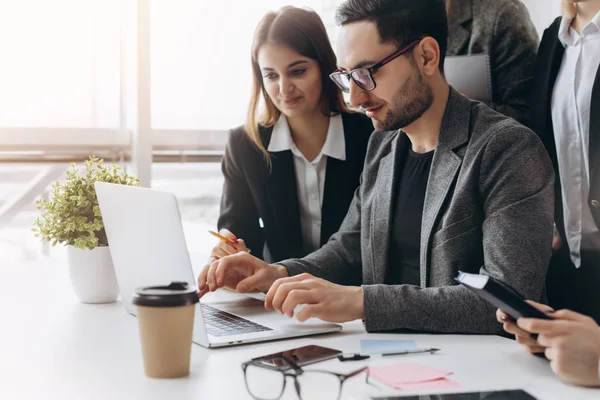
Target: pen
pixel 358 356
pixel 415 351
pixel 223 238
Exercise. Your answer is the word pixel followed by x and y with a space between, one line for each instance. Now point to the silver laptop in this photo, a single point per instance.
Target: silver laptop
pixel 148 247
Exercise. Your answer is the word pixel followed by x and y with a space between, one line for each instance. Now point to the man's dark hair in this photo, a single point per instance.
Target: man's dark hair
pixel 400 21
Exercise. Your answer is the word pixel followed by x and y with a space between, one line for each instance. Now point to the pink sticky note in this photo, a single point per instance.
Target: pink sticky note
pixel 404 373
pixel 436 384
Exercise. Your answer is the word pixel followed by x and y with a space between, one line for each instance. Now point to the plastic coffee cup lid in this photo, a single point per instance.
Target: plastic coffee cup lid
pixel 176 294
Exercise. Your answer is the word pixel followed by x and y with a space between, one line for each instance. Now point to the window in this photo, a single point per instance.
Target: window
pixel 69 84
pixel 68 60
pixel 201 75
pixel 60 63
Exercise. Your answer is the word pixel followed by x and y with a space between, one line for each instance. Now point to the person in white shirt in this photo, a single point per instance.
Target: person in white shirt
pixel 565 113
pixel 291 171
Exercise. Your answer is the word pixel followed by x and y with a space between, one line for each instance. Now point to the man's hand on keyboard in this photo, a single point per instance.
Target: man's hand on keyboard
pixel 242 272
pixel 321 299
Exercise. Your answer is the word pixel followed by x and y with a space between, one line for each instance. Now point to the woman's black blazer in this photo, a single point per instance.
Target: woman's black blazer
pixel 549 60
pixel 252 190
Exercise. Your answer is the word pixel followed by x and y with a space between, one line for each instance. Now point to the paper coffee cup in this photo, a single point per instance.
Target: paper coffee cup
pixel 166 323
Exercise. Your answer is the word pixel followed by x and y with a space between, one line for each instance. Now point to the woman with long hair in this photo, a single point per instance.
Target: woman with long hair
pixel 292 169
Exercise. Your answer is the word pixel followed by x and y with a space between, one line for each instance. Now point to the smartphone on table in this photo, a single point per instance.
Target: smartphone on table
pixel 301 356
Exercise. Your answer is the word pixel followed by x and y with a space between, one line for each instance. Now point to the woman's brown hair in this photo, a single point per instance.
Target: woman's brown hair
pixel 303 31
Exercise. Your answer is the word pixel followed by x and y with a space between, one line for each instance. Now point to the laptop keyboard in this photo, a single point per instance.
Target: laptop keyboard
pixel 221 323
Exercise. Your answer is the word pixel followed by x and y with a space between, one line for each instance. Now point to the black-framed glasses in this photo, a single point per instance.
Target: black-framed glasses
pixel 363 77
pixel 266 379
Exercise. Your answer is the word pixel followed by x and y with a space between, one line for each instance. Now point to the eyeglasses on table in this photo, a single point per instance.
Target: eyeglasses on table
pixel 266 379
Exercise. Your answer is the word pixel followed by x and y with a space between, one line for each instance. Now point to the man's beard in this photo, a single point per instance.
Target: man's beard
pixel 410 102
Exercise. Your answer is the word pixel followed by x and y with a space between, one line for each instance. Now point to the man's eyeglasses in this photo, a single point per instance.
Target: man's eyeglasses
pixel 363 77
pixel 266 378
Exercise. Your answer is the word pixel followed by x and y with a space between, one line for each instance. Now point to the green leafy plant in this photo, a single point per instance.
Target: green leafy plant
pixel 72 215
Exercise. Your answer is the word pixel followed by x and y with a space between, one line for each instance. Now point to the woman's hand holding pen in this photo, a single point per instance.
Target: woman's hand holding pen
pixel 228 245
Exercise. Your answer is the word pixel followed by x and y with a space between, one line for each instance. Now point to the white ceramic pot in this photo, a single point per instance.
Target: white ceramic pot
pixel 93 275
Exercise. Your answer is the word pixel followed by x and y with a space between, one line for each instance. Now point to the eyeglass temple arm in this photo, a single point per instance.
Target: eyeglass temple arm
pixel 358 371
pixel 292 364
pixel 344 377
pixel 391 57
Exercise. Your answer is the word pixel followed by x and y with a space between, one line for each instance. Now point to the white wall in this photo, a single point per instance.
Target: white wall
pixel 542 12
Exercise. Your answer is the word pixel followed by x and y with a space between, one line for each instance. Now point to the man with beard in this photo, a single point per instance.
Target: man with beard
pixel 448 185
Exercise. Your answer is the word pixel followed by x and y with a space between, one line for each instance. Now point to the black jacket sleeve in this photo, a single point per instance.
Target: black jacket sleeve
pixel 239 213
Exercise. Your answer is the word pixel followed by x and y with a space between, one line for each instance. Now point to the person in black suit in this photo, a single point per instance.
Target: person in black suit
pixel 292 169
pixel 565 113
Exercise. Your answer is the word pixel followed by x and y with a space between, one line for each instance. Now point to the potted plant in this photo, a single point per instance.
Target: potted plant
pixel 71 217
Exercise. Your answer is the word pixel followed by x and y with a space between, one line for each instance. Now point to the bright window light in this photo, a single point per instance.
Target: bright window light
pixel 61 61
pixel 201 73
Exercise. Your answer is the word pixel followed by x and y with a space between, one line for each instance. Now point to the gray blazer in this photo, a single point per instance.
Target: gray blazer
pixel 488 209
pixel 502 29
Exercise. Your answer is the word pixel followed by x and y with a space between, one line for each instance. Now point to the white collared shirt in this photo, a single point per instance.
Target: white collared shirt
pixel 310 175
pixel 571 104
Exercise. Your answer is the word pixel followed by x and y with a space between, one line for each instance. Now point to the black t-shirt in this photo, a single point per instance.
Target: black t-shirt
pixel 407 211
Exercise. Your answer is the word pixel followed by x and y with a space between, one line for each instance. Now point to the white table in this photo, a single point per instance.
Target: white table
pixel 52 346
